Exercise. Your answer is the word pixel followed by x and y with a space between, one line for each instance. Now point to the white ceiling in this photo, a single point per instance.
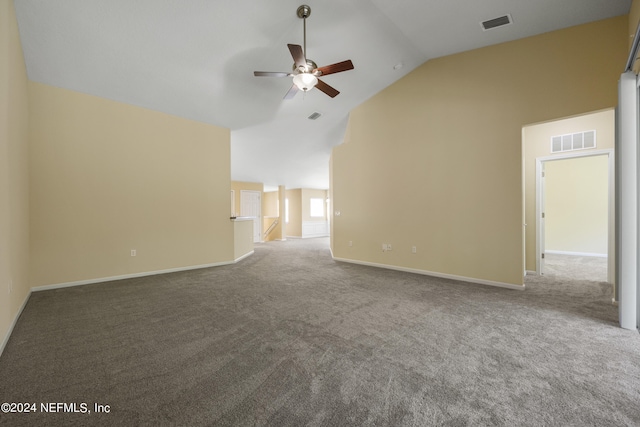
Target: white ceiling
pixel 195 59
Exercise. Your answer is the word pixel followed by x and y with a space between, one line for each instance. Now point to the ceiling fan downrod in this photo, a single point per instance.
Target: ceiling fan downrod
pixel 304 12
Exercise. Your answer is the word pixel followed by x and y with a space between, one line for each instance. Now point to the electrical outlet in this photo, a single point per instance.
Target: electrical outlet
pixel 10 285
pixel 350 243
pixel 414 249
pixel 133 252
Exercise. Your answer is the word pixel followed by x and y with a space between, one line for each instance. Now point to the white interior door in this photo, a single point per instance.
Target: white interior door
pixel 251 206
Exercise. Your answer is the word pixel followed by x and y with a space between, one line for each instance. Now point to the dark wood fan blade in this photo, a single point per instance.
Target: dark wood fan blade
pixel 332 92
pixel 292 92
pixel 338 67
pixel 297 54
pixel 270 74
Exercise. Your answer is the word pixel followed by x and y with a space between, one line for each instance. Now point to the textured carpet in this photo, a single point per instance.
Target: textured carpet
pixel 289 337
pixel 572 267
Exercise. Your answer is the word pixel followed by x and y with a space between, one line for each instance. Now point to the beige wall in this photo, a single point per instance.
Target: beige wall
pixel 108 177
pixel 242 238
pixel 537 143
pixel 307 195
pixel 14 172
pixel 270 213
pixel 435 160
pixel 576 205
pixel 294 227
pixel 270 204
pixel 299 209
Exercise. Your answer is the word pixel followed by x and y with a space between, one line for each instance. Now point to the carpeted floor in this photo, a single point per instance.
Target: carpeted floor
pixel 289 337
pixel 572 267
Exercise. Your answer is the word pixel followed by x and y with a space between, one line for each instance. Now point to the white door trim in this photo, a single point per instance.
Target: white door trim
pixel 611 208
pixel 627 145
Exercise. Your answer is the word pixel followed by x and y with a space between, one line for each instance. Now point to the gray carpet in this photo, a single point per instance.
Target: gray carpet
pixel 289 337
pixel 560 266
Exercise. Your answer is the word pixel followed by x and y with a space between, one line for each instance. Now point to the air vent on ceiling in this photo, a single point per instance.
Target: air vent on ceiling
pixel 314 116
pixel 496 22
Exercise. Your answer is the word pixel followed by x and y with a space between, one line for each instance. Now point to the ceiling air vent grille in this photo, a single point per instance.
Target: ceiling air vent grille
pixel 496 22
pixel 573 141
pixel 314 116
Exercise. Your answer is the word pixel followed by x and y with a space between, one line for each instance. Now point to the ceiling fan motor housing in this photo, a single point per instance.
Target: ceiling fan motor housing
pixel 308 68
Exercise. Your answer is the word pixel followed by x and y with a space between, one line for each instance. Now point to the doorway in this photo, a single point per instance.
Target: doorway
pixel 251 207
pixel 548 141
pixel 575 207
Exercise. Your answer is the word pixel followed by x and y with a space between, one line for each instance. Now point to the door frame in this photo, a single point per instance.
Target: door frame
pixel 257 220
pixel 611 230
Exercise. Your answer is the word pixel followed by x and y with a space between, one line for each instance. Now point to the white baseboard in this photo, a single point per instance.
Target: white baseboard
pixel 434 274
pixel 13 323
pixel 530 273
pixel 131 276
pixel 547 251
pixel 243 257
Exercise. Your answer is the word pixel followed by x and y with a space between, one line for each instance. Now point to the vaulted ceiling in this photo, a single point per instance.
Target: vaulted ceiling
pixel 195 59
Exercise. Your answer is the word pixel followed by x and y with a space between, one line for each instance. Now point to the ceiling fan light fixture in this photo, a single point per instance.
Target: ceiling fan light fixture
pixel 305 72
pixel 305 81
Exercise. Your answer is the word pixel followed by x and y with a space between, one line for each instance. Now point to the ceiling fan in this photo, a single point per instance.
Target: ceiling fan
pixel 305 72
